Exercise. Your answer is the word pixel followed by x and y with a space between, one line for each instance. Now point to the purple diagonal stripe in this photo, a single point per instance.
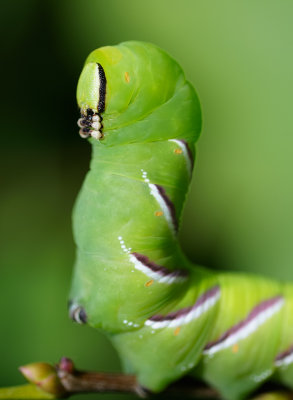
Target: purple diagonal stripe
pixel 169 204
pixel 264 307
pixel 163 271
pixel 204 302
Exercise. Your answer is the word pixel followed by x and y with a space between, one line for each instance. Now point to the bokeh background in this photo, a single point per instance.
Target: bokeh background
pixel 238 55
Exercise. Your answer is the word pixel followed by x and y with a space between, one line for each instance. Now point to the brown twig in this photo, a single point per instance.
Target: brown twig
pixel 75 381
pixel 92 382
pixel 64 380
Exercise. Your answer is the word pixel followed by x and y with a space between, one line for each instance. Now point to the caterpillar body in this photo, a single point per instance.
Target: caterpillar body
pixel 165 316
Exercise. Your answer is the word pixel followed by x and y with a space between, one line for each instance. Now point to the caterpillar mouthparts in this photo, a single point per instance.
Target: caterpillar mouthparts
pixel 90 123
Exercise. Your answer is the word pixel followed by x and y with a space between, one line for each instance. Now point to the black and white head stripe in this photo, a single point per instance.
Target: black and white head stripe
pixel 90 121
pixel 185 315
pixel 155 271
pixel 284 358
pixel 256 318
pixel 77 313
pixel 102 89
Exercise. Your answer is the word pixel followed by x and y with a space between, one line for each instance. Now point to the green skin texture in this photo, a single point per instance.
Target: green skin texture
pixel 143 111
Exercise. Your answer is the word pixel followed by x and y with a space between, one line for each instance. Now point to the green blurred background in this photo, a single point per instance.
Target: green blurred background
pixel 238 55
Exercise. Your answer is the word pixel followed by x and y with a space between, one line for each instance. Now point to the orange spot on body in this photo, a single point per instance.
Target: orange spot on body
pixel 158 213
pixel 235 348
pixel 149 283
pixel 178 151
pixel 177 330
pixel 127 77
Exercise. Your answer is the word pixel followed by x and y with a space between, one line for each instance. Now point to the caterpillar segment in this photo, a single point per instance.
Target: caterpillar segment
pixel 166 317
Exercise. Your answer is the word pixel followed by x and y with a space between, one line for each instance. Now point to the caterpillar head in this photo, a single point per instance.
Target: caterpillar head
pixel 105 88
pixel 122 85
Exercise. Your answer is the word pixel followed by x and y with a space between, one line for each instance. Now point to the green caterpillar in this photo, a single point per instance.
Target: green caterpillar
pixel 165 316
